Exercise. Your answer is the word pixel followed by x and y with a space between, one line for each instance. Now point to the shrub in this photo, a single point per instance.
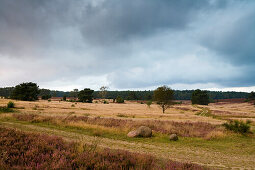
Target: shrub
pixel 10 104
pixel 105 102
pixel 119 99
pixel 238 126
pixel 6 110
pixel 149 103
pixel 46 97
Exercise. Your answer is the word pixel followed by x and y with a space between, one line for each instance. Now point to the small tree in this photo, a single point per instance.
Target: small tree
pixel 200 97
pixel 64 98
pixel 26 91
pixel 149 102
pixel 86 95
pixel 164 97
pixel 10 104
pixel 103 92
pixel 119 99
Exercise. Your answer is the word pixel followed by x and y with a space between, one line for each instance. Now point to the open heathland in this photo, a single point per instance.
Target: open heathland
pixel 75 129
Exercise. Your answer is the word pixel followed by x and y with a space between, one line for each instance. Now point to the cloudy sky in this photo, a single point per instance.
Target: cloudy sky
pixel 131 44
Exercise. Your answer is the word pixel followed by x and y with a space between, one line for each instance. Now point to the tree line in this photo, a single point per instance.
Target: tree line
pixel 131 95
pixel 163 96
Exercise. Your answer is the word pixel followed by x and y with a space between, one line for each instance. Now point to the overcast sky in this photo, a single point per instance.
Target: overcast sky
pixel 129 44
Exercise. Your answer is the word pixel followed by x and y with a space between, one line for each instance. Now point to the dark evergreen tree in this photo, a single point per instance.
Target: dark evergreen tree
pixel 85 95
pixel 200 97
pixel 26 91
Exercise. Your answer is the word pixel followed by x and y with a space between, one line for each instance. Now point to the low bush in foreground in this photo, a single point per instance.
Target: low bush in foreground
pixel 19 150
pixel 238 126
pixel 119 99
pixel 10 104
pixel 6 110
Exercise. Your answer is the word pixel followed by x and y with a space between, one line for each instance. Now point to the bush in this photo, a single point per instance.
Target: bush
pixel 105 102
pixel 119 99
pixel 10 104
pixel 6 110
pixel 238 126
pixel 149 103
pixel 46 97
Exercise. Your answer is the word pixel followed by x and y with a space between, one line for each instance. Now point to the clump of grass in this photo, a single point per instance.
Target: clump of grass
pixel 6 110
pixel 238 126
pixel 122 115
pixel 86 114
pixel 10 104
pixel 97 133
pixel 35 107
pixel 72 105
pixel 214 135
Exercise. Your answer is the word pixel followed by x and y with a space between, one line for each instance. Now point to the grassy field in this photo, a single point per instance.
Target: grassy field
pixel 203 140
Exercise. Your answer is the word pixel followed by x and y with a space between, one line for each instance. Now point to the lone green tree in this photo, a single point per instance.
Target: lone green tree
pixel 26 91
pixel 86 95
pixel 200 97
pixel 103 91
pixel 164 97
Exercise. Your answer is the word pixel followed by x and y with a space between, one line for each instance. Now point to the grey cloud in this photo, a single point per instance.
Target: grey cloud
pixel 111 21
pixel 233 37
pixel 131 43
pixel 26 26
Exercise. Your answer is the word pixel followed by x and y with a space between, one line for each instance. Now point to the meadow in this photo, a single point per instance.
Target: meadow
pixel 94 135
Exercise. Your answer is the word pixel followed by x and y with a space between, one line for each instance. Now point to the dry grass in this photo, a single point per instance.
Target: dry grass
pixel 118 119
pixel 215 135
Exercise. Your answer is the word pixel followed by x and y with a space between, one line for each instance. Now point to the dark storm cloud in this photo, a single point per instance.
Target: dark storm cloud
pixel 127 44
pixel 113 21
pixel 26 25
pixel 234 40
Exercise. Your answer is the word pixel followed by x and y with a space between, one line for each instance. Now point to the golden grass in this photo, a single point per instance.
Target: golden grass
pixel 215 135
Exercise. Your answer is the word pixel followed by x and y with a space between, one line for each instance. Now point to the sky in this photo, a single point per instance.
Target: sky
pixel 133 44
